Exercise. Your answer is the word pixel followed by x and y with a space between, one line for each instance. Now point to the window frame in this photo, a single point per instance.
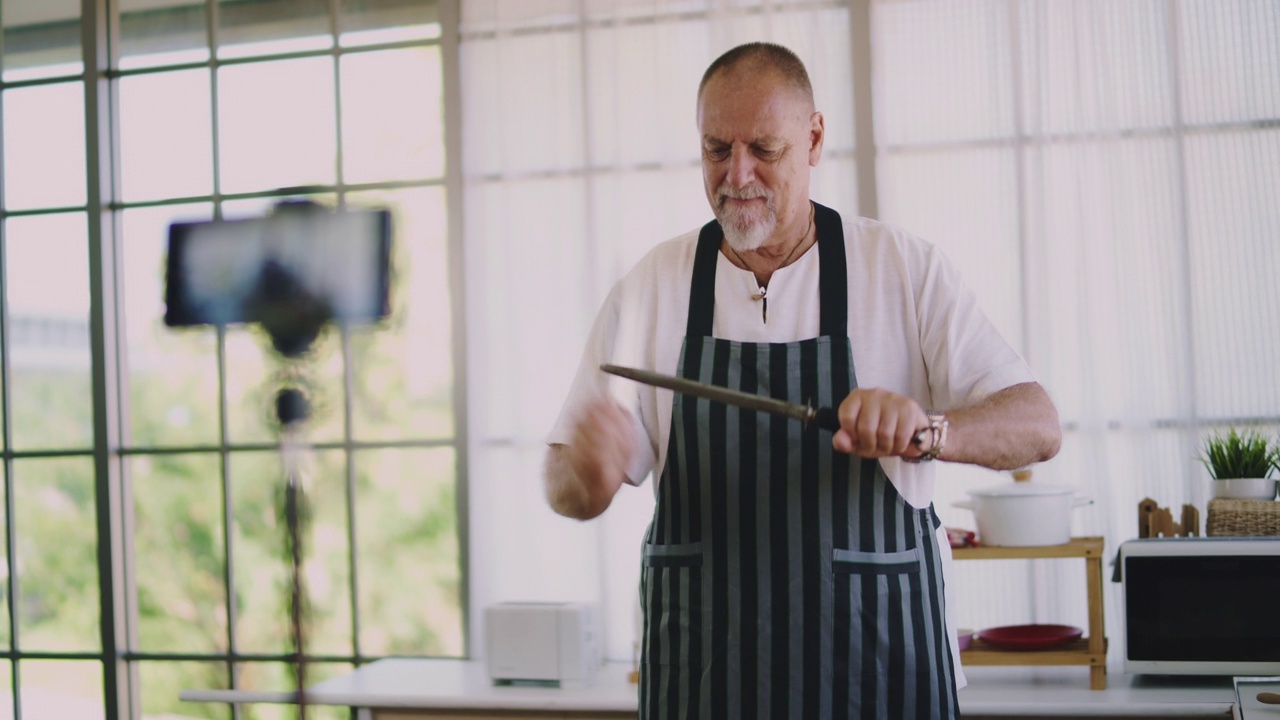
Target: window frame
pixel 99 26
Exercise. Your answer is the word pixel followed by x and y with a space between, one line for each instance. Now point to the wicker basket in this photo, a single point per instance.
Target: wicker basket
pixel 1243 518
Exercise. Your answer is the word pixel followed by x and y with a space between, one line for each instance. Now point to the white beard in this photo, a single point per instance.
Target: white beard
pixel 743 232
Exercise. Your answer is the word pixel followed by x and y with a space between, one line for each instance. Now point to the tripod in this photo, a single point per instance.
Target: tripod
pixel 292 410
pixel 292 272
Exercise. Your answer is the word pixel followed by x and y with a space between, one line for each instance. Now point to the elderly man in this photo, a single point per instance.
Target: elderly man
pixel 790 572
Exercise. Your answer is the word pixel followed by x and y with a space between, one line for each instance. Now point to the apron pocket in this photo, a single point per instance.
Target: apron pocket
pixel 682 555
pixel 670 579
pixel 857 562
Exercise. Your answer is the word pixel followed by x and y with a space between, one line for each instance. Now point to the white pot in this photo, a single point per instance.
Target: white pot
pixel 1245 488
pixel 1023 514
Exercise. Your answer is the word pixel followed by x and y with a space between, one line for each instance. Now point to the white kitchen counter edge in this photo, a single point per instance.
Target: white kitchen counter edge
pixel 460 684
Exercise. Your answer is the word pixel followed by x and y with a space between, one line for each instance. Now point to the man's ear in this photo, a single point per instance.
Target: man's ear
pixel 817 133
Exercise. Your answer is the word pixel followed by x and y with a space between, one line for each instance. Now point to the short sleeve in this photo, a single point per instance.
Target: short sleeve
pixel 966 356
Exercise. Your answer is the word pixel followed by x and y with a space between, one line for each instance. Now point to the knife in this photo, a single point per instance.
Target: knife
pixel 824 417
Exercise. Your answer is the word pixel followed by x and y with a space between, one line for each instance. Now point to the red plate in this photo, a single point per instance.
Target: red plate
pixel 1030 637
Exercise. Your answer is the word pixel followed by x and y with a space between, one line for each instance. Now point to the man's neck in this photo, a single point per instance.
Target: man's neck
pixel 774 254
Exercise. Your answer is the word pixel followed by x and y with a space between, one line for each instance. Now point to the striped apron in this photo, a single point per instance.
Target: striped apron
pixel 782 579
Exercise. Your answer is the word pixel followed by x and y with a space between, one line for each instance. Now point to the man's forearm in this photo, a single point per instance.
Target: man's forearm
pixel 567 494
pixel 1011 428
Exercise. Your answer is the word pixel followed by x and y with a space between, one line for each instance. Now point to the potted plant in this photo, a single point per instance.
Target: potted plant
pixel 1240 464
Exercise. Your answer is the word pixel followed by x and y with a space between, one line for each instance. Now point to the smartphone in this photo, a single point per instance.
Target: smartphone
pixel 300 266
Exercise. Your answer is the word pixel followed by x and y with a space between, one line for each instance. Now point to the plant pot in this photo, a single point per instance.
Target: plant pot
pixel 1023 514
pixel 1245 488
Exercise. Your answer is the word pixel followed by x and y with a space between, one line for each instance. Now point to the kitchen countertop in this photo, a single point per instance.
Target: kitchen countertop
pixel 446 684
pixel 1064 692
pixel 992 691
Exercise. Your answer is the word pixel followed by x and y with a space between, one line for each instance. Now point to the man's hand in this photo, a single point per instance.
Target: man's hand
pixel 877 423
pixel 1008 429
pixel 582 477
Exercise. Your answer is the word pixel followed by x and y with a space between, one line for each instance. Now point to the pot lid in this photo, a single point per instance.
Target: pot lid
pixel 1023 489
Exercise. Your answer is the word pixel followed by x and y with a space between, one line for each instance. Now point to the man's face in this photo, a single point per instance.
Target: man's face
pixel 760 136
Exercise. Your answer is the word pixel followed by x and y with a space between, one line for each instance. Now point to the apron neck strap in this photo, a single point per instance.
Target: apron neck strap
pixel 832 277
pixel 702 294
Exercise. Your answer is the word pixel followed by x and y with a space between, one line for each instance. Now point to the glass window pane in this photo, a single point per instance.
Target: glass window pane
pixel 276 124
pixel 41 39
pixel 4 595
pixel 61 689
pixel 172 373
pixel 261 562
pixel 403 368
pixel 153 33
pixel 178 552
pixel 269 27
pixel 162 681
pixel 56 530
pixel 44 158
pixel 327 559
pixel 368 22
pixel 262 567
pixel 47 278
pixel 6 687
pixel 407 543
pixel 279 677
pixel 252 207
pixel 166 135
pixel 392 115
pixel 251 389
pixel 256 373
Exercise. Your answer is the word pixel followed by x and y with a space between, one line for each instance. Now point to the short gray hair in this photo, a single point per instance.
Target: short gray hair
pixel 762 54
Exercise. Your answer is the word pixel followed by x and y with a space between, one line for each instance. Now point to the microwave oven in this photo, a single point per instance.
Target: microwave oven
pixel 1201 606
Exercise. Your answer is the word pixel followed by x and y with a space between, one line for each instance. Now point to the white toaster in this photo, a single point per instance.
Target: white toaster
pixel 541 642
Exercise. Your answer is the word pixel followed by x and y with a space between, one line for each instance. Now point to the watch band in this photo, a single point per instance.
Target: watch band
pixel 938 438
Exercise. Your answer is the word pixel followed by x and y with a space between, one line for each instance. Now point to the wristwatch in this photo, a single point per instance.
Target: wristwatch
pixel 937 430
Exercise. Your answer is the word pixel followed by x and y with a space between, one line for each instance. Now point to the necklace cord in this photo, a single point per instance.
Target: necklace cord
pixel 764 290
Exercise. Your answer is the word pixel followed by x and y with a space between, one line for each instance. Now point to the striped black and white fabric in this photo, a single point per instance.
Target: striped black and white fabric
pixel 782 579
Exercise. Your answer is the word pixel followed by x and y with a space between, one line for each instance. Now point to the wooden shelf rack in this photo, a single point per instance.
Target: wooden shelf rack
pixel 1090 650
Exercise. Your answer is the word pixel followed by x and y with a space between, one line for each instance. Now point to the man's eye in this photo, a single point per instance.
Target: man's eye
pixel 717 153
pixel 767 153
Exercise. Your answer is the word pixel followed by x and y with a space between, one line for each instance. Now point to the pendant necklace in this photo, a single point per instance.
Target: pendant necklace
pixel 764 291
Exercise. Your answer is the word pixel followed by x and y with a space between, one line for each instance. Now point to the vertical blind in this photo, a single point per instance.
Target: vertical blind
pixel 1104 175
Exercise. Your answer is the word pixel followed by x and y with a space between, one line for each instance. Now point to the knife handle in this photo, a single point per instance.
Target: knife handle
pixel 827 419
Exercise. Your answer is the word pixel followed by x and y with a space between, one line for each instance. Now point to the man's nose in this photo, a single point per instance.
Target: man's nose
pixel 742 167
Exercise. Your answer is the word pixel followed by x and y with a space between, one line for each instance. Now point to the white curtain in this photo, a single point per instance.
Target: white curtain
pixel 1104 173
pixel 580 154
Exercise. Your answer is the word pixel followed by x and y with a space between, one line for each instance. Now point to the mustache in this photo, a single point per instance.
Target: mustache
pixel 751 192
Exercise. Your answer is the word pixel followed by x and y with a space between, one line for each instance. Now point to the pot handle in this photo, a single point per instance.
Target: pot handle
pixel 966 504
pixel 1081 502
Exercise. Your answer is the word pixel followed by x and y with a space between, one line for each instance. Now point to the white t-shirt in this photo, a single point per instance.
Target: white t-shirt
pixel 914 327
